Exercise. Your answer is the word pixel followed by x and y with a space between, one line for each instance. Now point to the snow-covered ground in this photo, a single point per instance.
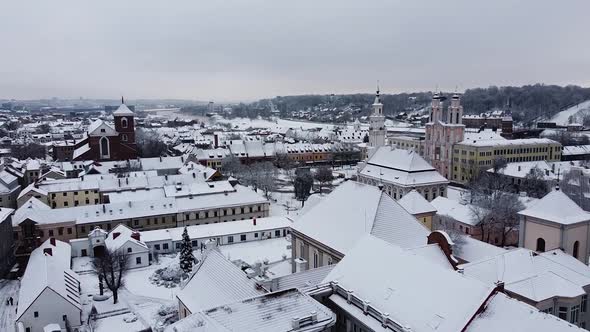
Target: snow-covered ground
pixel 575 113
pixel 8 288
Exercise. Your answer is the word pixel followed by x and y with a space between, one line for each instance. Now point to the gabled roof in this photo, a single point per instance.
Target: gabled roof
pixel 116 242
pixel 355 209
pixel 123 110
pixel 95 129
pixel 535 276
pixel 273 312
pixel 558 208
pixel 32 189
pixel 415 203
pixel 404 160
pixel 395 280
pixel 502 313
pixel 49 272
pixel 215 282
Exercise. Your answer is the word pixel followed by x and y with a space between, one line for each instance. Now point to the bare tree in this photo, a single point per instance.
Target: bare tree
pixel 446 223
pixel 111 266
pixel 149 144
pixel 505 208
pixel 535 184
pixel 231 165
pixel 265 174
pixel 323 175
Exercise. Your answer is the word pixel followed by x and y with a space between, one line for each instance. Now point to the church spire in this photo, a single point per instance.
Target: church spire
pixel 122 100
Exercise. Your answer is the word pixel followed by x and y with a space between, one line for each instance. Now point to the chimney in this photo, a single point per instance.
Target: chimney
pixel 48 251
pixel 160 158
pixel 254 221
pixel 52 241
pixel 215 141
pixel 115 235
pixel 182 159
pixel 136 236
pixel 519 168
pixel 500 286
pixel 127 180
pixel 194 175
pixel 104 208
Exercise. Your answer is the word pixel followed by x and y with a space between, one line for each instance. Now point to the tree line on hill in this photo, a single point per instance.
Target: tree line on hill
pixel 527 103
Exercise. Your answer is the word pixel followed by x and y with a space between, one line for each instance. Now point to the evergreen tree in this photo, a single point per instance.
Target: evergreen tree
pixel 186 253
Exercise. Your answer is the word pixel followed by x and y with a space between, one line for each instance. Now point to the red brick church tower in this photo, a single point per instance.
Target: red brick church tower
pixel 104 142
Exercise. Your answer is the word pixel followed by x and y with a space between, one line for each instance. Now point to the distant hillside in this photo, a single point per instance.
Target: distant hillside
pixel 528 102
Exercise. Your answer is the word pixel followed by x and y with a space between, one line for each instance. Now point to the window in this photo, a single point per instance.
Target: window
pixel 562 313
pixel 330 262
pixel 178 245
pixel 124 123
pixel 124 137
pixel 243 237
pixel 129 249
pixel 60 231
pixel 576 248
pixel 165 246
pixel 137 260
pixel 540 244
pixel 584 303
pixel 301 250
pixel 50 232
pixel 194 243
pixel 84 253
pixel 64 318
pixel 574 313
pixel 36 314
pixel 316 259
pixel 278 233
pixel 157 246
pixel 548 311
pixel 82 229
pixel 230 239
pixel 255 234
pixel 104 147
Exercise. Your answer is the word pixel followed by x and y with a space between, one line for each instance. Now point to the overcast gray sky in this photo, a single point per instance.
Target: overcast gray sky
pixel 249 49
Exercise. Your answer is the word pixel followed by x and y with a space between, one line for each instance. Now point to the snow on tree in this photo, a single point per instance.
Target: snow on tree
pixel 186 252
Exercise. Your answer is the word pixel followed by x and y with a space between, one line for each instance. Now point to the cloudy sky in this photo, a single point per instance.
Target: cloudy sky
pixel 249 49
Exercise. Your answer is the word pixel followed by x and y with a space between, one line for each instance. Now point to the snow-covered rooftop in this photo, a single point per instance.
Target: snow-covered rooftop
pixel 535 276
pixel 558 208
pixel 215 282
pixel 415 203
pixel 394 288
pixel 459 211
pixel 273 312
pixel 49 270
pixel 354 209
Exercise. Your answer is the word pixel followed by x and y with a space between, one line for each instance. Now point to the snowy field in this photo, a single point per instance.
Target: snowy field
pixel 575 112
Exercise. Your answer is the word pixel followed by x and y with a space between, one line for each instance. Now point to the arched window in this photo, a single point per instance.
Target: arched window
pixel 104 147
pixel 124 123
pixel 124 137
pixel 540 244
pixel 576 249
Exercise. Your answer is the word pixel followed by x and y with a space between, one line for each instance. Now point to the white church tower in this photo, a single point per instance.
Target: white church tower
pixel 377 124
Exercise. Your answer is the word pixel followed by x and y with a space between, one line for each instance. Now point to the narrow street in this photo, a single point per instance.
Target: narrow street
pixel 8 288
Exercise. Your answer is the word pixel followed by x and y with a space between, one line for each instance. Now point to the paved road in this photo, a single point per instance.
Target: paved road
pixel 8 288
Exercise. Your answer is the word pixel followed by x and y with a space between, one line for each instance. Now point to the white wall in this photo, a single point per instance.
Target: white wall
pixel 51 307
